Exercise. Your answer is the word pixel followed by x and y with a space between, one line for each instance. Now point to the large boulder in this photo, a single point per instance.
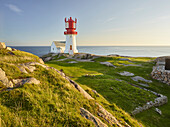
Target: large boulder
pixel 4 79
pixel 2 45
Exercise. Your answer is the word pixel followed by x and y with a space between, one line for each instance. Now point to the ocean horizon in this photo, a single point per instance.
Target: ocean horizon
pixel 134 51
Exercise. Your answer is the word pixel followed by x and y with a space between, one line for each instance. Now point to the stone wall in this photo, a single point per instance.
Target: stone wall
pixel 159 71
pixel 157 102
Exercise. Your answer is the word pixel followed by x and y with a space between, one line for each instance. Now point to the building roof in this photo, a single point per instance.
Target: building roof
pixel 59 43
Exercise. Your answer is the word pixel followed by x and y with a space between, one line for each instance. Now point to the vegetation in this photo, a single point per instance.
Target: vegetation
pixel 113 91
pixel 53 102
pixel 17 56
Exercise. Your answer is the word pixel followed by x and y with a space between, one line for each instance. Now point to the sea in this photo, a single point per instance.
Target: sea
pixel 134 51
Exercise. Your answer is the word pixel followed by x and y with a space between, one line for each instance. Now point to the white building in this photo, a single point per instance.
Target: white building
pixel 58 46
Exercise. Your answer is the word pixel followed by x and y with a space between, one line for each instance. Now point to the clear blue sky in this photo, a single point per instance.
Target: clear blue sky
pixel 100 22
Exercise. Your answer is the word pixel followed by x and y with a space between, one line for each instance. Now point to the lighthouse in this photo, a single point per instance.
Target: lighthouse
pixel 70 26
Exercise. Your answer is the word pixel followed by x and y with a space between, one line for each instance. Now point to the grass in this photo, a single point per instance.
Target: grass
pixel 122 94
pixel 53 102
pixel 17 56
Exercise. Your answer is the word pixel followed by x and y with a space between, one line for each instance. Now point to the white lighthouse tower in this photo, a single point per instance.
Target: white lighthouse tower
pixel 70 33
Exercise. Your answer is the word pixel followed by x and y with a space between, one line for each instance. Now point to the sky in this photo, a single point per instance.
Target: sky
pixel 100 22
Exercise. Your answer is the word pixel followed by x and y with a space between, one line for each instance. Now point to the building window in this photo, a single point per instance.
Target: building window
pixel 53 49
pixel 167 64
pixel 70 47
pixel 70 36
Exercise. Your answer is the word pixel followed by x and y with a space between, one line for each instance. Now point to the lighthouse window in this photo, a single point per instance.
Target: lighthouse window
pixel 70 36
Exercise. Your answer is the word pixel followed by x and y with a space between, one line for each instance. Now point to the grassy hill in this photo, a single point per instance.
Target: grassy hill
pixel 115 89
pixel 54 101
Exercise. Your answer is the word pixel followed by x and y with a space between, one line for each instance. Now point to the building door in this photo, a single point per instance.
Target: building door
pixel 70 47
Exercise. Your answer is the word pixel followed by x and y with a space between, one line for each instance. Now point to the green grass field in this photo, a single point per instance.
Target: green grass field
pixel 120 93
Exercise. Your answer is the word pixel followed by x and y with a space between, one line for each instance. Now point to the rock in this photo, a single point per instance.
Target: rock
pixel 95 92
pixel 22 69
pixel 2 45
pixel 55 54
pixel 111 88
pixel 142 84
pixel 89 75
pixel 107 64
pixel 5 80
pixel 79 88
pixel 158 111
pixel 62 59
pixel 119 80
pixel 126 73
pixel 13 49
pixel 41 61
pixel 26 66
pixel 20 82
pixel 72 62
pixel 47 59
pixel 108 116
pixel 113 55
pixel 83 56
pixel 11 53
pixel 124 59
pixel 136 78
pixel 126 65
pixel 9 48
pixel 86 114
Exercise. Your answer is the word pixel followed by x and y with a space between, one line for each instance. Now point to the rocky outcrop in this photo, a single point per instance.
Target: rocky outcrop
pixel 108 116
pixel 157 102
pixel 138 78
pixel 158 111
pixel 108 64
pixel 20 82
pixel 83 56
pixel 4 79
pixel 79 88
pixel 72 62
pixel 29 67
pixel 9 48
pixel 47 59
pixel 86 114
pixel 126 73
pixel 2 45
pixel 124 59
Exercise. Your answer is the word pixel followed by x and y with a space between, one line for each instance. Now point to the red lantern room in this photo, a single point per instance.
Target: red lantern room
pixel 70 26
